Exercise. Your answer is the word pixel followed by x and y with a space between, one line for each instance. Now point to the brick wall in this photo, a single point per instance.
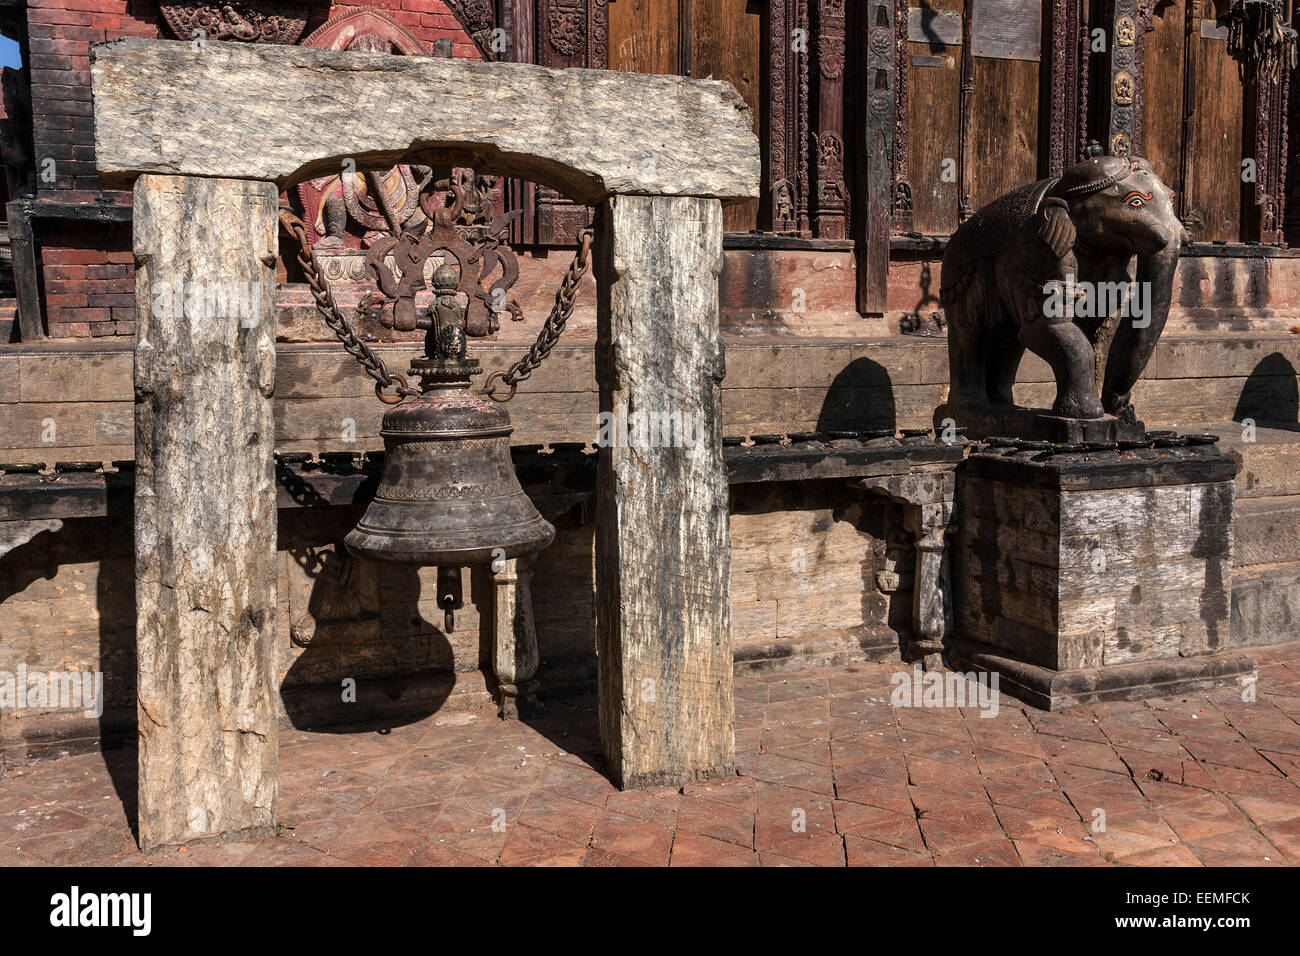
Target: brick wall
pixel 88 280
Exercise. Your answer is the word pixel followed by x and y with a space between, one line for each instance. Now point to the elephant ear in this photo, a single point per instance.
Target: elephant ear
pixel 1056 228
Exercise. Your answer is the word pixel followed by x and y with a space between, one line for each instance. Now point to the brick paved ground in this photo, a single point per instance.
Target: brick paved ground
pixel 1202 779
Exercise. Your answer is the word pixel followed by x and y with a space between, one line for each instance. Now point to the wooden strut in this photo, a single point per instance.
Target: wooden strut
pixel 964 172
pixel 1189 118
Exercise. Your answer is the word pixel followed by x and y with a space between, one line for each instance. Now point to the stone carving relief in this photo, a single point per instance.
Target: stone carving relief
pixel 251 22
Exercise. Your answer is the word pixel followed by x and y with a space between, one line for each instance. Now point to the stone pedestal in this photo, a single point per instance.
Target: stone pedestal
pixel 1095 576
pixel 1037 424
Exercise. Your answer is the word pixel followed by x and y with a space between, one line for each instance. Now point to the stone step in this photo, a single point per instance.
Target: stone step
pixel 1265 604
pixel 1268 465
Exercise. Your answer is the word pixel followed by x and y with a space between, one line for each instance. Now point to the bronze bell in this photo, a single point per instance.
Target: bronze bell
pixel 449 495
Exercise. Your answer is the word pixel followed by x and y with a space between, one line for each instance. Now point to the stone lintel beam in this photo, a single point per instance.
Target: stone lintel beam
pixel 288 113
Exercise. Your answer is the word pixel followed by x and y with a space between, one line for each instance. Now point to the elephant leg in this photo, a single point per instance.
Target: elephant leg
pixel 966 368
pixel 1002 368
pixel 1054 338
pixel 1136 336
pixel 1065 347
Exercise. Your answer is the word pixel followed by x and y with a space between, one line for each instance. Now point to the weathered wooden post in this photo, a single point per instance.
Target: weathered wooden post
pixel 663 613
pixel 205 508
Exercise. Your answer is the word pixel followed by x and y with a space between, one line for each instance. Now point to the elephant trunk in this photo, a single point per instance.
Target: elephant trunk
pixel 1136 337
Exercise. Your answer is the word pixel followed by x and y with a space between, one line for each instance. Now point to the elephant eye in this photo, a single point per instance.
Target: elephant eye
pixel 1137 200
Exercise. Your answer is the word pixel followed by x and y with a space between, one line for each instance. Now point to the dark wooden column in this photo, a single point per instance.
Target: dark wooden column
pixel 876 162
pixel 1266 137
pixel 518 19
pixel 828 202
pixel 786 48
pixel 1065 67
pixel 903 204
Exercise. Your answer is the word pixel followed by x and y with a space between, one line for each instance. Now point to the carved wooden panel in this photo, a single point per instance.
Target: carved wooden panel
pixel 786 56
pixel 1065 65
pixel 1267 131
pixel 1117 85
pixel 878 103
pixel 568 33
pixel 255 21
pixel 829 202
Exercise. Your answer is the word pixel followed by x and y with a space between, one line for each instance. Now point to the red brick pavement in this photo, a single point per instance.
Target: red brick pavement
pixel 829 774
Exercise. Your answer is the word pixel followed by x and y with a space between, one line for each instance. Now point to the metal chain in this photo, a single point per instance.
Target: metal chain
pixel 552 330
pixel 338 323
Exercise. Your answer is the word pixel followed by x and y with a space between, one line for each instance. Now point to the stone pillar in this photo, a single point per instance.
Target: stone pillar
pixel 928 524
pixel 514 653
pixel 927 509
pixel 205 508
pixel 663 615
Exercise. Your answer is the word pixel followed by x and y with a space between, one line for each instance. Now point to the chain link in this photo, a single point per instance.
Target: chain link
pixel 551 331
pixel 338 323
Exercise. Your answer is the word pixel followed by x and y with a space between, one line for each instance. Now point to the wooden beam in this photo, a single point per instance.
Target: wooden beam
pixel 258 112
pixel 31 325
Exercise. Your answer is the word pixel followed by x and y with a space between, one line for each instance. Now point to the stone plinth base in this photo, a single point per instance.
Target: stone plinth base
pixel 1036 424
pixel 1055 690
pixel 1095 576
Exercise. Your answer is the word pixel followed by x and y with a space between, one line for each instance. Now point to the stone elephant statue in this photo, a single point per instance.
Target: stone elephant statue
pixel 1046 267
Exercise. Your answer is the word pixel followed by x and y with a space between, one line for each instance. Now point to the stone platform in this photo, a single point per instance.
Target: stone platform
pixel 1036 424
pixel 1096 574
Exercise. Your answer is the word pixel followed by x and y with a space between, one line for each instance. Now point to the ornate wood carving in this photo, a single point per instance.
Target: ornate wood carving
pixel 1120 76
pixel 966 110
pixel 346 212
pixel 1066 65
pixel 879 108
pixel 902 204
pixel 785 205
pixel 569 33
pixel 1271 122
pixel 478 17
pixel 829 200
pixel 238 21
